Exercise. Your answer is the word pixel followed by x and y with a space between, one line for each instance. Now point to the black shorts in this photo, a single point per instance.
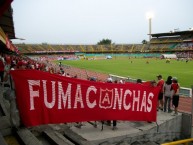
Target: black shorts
pixel 160 96
pixel 175 100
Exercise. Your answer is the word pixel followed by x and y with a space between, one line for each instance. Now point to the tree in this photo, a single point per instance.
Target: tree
pixel 104 42
pixel 144 42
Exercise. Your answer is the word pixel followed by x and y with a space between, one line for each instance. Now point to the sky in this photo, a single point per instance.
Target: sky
pixel 89 21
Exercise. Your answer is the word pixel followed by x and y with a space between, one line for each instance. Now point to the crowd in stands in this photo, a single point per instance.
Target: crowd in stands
pixel 54 57
pixel 185 45
pixel 14 62
pixel 158 43
pixel 187 55
pixel 149 47
pixel 166 40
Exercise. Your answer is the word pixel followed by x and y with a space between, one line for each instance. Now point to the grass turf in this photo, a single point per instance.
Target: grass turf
pixel 138 68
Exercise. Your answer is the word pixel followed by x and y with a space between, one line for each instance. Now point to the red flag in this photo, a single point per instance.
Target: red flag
pixel 8 42
pixel 44 98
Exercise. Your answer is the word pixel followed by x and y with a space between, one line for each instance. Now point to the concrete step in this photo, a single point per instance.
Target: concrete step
pixel 2 141
pixel 57 138
pixel 27 138
pixel 3 110
pixel 75 138
pixel 5 122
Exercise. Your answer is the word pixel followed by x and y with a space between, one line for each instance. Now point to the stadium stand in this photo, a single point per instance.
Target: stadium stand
pixel 172 42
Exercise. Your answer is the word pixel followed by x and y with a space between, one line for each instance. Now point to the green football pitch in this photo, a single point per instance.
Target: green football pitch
pixel 139 68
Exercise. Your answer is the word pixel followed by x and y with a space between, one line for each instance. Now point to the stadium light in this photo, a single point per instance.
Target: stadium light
pixel 149 16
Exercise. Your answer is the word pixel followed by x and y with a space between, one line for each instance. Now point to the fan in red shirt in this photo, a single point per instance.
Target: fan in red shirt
pixel 160 84
pixel 175 98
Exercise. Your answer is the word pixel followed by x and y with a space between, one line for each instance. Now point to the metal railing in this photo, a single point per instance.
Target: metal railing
pixel 185 92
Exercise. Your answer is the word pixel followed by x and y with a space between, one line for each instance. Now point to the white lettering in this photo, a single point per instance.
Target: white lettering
pixel 136 100
pixel 106 98
pixel 78 97
pixel 49 105
pixel 143 103
pixel 89 104
pixel 149 101
pixel 126 107
pixel 118 99
pixel 33 93
pixel 64 97
pixel 123 99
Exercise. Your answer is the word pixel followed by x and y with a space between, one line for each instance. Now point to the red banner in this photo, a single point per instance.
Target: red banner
pixel 45 98
pixel 11 46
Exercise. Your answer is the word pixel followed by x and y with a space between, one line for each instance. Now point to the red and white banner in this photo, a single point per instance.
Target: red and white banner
pixel 45 98
pixel 11 46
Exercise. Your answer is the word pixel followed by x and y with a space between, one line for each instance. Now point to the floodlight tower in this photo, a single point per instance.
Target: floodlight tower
pixel 149 16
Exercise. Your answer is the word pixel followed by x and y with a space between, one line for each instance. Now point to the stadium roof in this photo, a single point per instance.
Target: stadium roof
pixel 6 18
pixel 177 33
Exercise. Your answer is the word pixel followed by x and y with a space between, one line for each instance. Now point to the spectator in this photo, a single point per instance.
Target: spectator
pixel 153 83
pixel 109 80
pixel 21 65
pixel 160 84
pixel 175 97
pixel 167 94
pixel 120 81
pixel 60 64
pixel 68 75
pixel 115 121
pixel 139 81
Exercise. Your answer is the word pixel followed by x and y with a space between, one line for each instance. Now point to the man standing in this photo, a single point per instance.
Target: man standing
pixel 175 97
pixel 160 84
